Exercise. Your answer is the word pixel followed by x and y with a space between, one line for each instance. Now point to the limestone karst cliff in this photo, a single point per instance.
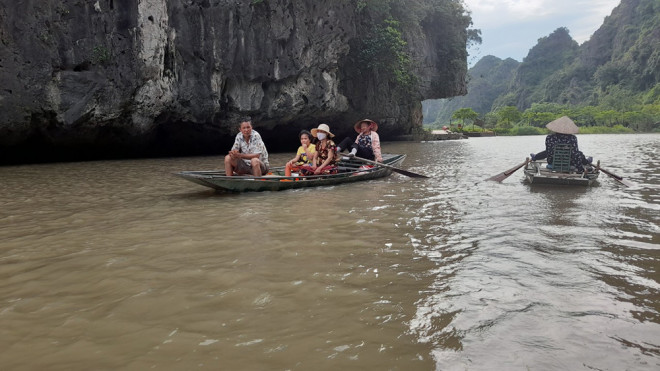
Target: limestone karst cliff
pixel 614 77
pixel 97 78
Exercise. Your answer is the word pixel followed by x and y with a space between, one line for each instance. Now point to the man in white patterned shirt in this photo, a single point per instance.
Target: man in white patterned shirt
pixel 248 155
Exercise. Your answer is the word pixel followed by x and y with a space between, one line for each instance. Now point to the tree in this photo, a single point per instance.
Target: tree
pixel 537 119
pixel 508 115
pixel 464 114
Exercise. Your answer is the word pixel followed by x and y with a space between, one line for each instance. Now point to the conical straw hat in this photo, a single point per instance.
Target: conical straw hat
pixel 322 127
pixel 372 123
pixel 563 125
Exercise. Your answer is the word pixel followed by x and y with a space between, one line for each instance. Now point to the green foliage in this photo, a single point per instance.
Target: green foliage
pixel 618 98
pixel 537 119
pixel 490 120
pixel 464 114
pixel 375 9
pixel 636 117
pixel 508 115
pixel 610 74
pixel 100 54
pixel 471 129
pixel 473 37
pixel 508 99
pixel 385 51
pixel 591 119
pixel 381 47
pixel 616 129
pixel 652 96
pixel 526 130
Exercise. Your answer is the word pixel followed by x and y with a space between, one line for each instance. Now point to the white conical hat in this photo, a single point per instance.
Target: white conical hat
pixel 563 125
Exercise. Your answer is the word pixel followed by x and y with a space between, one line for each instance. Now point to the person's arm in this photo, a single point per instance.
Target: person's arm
pixel 375 146
pixel 300 152
pixel 249 156
pixel 260 148
pixel 235 148
pixel 331 155
pixel 237 143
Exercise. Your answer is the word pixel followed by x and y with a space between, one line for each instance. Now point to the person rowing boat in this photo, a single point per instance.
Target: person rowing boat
pixel 367 143
pixel 563 130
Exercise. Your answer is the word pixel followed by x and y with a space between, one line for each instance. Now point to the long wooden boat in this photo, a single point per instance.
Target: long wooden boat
pixel 536 172
pixel 349 171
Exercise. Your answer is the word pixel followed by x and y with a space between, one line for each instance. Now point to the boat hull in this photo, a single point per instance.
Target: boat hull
pixel 537 173
pixel 349 172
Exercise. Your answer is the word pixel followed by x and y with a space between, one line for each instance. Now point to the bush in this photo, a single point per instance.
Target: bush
pixel 527 130
pixel 616 129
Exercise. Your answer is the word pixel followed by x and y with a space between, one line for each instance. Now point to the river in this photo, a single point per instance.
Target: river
pixel 120 265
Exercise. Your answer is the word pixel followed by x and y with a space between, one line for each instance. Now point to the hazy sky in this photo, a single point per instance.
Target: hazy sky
pixel 509 28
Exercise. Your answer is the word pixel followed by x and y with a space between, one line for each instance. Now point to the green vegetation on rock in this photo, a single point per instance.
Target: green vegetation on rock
pixel 383 48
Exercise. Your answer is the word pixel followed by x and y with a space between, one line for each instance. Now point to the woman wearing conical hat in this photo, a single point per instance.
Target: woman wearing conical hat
pixel 367 143
pixel 563 130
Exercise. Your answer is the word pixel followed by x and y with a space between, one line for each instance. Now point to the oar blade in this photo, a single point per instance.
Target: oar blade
pixel 617 178
pixel 395 169
pixel 625 182
pixel 505 174
pixel 408 173
pixel 499 177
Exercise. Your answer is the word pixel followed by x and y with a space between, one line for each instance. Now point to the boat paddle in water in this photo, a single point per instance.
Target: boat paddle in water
pixel 614 176
pixel 395 169
pixel 505 174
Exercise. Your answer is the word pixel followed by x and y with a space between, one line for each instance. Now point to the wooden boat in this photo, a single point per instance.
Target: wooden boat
pixel 349 171
pixel 536 172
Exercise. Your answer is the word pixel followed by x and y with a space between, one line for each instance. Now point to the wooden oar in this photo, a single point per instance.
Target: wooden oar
pixel 395 169
pixel 614 176
pixel 503 175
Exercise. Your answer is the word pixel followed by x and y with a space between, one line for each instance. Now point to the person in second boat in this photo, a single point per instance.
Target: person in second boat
pixel 367 143
pixel 324 161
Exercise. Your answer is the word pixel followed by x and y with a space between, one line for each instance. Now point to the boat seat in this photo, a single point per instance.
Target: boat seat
pixel 561 159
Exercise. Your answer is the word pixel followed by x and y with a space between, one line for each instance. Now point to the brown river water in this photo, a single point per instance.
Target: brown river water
pixel 120 265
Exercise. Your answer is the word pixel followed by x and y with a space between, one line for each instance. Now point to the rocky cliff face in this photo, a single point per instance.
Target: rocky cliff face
pixel 85 79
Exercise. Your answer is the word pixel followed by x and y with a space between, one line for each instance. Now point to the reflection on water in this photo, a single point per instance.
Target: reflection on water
pixel 119 264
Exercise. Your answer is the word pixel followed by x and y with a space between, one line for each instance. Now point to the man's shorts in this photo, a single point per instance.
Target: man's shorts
pixel 243 168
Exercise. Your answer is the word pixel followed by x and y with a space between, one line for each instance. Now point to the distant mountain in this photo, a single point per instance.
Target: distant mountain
pixel 619 64
pixel 534 77
pixel 487 80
